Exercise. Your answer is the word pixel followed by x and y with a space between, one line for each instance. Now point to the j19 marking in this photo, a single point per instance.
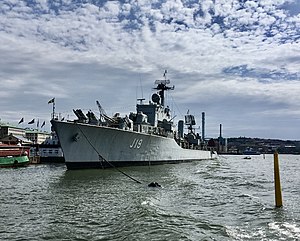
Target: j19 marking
pixel 136 144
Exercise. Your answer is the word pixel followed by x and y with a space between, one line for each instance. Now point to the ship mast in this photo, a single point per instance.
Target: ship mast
pixel 162 87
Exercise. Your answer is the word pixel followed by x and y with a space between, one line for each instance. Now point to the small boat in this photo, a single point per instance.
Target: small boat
pixel 49 151
pixel 250 151
pixel 247 157
pixel 13 156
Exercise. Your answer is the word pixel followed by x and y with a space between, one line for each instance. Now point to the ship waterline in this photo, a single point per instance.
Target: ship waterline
pixel 90 146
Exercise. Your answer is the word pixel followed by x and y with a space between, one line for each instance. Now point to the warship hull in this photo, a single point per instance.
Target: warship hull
pixel 91 146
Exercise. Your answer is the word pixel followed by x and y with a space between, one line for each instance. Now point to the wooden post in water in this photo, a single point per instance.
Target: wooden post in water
pixel 278 196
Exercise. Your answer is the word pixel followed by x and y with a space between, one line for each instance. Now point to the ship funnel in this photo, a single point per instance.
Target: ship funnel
pixel 203 126
pixel 180 128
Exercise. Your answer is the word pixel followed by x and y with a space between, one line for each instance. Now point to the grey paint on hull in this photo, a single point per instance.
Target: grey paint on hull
pixel 87 144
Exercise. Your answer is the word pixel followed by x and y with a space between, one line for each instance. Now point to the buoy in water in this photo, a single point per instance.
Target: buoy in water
pixel 154 184
pixel 278 196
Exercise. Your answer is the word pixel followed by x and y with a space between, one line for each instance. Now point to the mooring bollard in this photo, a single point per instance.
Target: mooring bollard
pixel 278 196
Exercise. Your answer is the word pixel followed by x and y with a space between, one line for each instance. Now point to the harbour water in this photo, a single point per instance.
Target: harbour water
pixel 225 199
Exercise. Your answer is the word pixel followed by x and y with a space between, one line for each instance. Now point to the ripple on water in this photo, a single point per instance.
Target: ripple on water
pixel 227 199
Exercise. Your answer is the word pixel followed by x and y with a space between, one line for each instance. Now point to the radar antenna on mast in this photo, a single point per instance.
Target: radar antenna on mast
pixel 162 87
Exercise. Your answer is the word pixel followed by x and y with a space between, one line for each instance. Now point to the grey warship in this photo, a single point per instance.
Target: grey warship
pixel 146 137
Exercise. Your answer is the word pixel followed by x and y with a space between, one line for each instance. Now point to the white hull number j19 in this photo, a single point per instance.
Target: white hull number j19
pixel 136 144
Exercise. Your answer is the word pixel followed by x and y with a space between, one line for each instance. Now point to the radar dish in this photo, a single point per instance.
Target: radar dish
pixel 155 98
pixel 164 82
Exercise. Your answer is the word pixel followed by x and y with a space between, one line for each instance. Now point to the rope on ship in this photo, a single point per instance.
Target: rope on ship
pixel 109 163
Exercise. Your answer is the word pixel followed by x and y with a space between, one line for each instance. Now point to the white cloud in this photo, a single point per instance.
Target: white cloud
pixel 68 49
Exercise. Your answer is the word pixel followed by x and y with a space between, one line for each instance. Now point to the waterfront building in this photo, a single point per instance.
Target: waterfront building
pixel 14 134
pixel 36 136
pixel 6 130
pixel 15 139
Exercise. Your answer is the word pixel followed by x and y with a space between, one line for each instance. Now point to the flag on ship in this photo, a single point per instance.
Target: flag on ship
pixel 31 122
pixel 21 121
pixel 43 124
pixel 51 101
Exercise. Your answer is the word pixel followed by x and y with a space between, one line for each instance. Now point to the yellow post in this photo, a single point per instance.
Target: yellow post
pixel 278 197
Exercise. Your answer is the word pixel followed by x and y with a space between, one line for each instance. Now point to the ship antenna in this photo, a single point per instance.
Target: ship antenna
pixel 141 87
pixel 142 92
pixel 162 86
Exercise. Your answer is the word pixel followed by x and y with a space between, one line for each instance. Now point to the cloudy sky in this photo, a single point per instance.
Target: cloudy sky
pixel 238 61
